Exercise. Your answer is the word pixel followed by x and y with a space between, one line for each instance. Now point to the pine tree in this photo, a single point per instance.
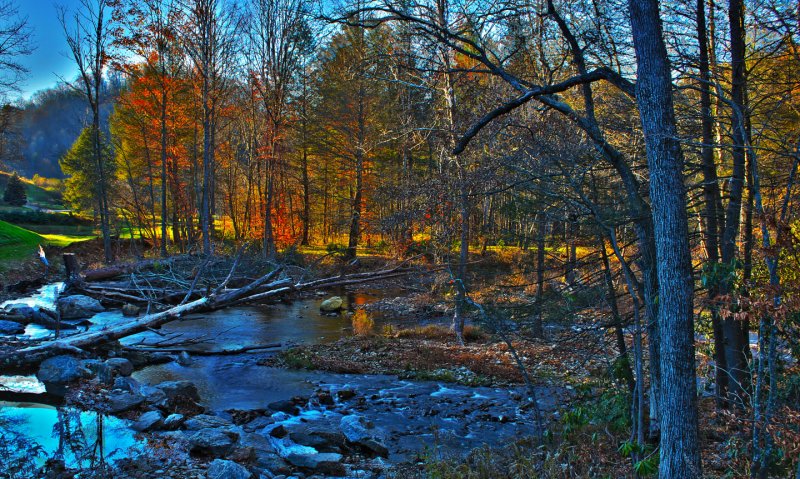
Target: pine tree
pixel 81 190
pixel 15 192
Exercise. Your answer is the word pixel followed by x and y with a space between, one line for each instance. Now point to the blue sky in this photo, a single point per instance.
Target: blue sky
pixel 48 62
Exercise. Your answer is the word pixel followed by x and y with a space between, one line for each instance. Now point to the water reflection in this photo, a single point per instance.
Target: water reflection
pixel 33 434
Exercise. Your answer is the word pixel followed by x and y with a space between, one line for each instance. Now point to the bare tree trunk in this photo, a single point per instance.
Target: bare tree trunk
pixel 680 451
pixel 459 316
pixel 638 209
pixel 735 343
pixel 356 206
pixel 711 195
pixel 619 333
pixel 164 169
pixel 538 327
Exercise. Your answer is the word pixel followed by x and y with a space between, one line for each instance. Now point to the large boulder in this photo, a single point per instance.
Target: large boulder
pixel 324 462
pixel 212 442
pixel 121 401
pixel 60 370
pixel 78 306
pixel 222 469
pixel 10 327
pixel 361 432
pixel 175 389
pixel 120 366
pixel 203 421
pixel 149 421
pixel 331 305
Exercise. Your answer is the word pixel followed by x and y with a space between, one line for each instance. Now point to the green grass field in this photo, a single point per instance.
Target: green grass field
pixel 17 243
pixel 20 244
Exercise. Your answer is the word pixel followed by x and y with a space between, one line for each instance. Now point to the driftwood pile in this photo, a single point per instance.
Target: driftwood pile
pixel 271 286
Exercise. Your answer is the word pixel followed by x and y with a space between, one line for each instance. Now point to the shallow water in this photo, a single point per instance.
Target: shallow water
pixel 296 322
pixel 237 382
pixel 234 382
pixel 41 432
pixel 224 382
pixel 44 297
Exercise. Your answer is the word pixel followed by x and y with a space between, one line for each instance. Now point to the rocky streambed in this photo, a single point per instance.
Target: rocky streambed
pixel 230 417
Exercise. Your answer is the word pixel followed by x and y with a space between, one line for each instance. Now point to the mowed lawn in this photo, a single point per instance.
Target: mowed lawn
pixel 18 243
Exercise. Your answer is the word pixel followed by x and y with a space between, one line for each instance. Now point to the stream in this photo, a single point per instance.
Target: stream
pixel 412 416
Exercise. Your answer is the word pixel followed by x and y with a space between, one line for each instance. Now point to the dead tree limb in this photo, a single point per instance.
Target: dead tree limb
pixel 213 352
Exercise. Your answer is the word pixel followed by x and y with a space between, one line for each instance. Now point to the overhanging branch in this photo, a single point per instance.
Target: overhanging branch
pixel 538 91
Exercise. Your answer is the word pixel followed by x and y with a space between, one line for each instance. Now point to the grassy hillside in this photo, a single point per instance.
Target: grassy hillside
pixel 20 244
pixel 46 198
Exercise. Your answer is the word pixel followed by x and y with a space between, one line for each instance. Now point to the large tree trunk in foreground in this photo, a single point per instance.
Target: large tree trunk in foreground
pixel 260 289
pixel 680 455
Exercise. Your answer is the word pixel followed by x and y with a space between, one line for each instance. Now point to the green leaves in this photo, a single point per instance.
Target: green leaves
pixel 721 274
pixel 643 467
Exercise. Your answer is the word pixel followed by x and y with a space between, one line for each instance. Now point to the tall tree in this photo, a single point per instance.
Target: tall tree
pixel 736 340
pixel 711 194
pixel 210 42
pixel 151 32
pixel 15 43
pixel 279 36
pixel 88 34
pixel 14 193
pixel 680 448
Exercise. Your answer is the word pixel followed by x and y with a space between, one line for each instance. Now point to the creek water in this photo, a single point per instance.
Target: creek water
pixel 416 416
pixel 237 382
pixel 33 432
pixel 224 382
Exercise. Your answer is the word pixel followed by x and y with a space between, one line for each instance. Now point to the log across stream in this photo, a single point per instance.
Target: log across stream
pixel 272 286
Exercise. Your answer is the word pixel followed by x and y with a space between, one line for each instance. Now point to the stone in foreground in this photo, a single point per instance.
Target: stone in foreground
pixel 222 469
pixel 324 462
pixel 60 370
pixel 331 305
pixel 149 421
pixel 78 306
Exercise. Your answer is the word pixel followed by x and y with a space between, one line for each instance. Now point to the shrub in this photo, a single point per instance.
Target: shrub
pixel 15 192
pixel 363 325
pixel 336 249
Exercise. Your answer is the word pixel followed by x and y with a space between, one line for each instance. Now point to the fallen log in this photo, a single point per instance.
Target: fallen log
pixel 260 289
pixel 109 272
pixel 212 352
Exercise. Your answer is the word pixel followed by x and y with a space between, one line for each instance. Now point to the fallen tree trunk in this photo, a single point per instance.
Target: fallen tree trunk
pixel 109 272
pixel 260 289
pixel 213 352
